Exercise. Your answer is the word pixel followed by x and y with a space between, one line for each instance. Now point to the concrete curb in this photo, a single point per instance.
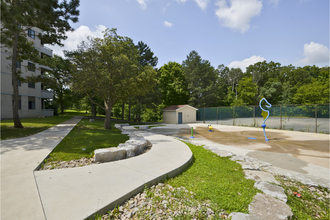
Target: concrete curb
pixel 139 189
pixel 40 164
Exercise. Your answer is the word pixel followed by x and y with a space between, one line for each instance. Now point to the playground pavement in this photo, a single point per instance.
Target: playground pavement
pixel 291 153
pixel 78 193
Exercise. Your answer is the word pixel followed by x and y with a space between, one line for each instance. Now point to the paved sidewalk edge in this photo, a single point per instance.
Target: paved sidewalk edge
pixel 39 165
pixel 139 189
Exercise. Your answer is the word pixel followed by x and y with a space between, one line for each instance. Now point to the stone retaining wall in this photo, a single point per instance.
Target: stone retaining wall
pixel 136 145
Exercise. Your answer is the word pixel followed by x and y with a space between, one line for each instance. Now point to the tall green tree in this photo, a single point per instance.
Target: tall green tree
pixel 59 79
pixel 109 69
pixel 202 80
pixel 146 56
pixel 173 84
pixel 150 101
pixel 17 17
pixel 316 92
pixel 247 90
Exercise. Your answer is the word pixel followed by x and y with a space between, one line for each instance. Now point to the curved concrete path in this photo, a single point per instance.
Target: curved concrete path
pixel 79 193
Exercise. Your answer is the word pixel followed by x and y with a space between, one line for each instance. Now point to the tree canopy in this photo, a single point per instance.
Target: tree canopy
pixel 173 84
pixel 108 68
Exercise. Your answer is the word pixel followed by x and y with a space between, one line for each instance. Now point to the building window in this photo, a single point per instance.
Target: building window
pixel 19 102
pixel 31 33
pixel 32 103
pixel 18 64
pixel 31 67
pixel 31 85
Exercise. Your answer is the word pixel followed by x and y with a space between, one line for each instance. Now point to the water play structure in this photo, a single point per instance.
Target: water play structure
pixel 265 114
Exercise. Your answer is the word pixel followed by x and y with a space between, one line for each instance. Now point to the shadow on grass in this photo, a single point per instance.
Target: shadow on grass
pixel 84 139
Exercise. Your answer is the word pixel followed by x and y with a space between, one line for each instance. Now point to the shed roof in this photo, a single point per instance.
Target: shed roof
pixel 177 107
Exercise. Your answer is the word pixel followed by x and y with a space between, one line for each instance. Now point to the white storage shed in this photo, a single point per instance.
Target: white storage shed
pixel 179 114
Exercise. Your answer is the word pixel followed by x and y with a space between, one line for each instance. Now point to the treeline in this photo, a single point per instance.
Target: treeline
pixel 120 79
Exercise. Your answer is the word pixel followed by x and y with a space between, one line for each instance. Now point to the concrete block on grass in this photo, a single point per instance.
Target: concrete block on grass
pixel 109 154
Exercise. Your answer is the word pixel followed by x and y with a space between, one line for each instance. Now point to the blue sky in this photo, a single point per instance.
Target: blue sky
pixel 235 33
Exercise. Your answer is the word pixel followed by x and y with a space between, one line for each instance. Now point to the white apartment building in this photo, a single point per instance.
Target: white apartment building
pixel 32 95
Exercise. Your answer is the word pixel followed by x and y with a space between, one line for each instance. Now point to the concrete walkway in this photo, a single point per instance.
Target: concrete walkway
pixel 19 157
pixel 79 193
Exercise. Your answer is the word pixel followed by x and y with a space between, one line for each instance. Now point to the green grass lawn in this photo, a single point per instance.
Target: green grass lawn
pixel 78 112
pixel 217 179
pixel 31 126
pixel 84 139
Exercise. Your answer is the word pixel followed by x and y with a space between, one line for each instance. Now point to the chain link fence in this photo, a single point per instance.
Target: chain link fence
pixel 306 118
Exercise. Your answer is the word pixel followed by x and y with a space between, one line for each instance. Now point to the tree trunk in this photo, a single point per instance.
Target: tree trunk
pixel 94 111
pixel 61 102
pixel 129 109
pixel 17 121
pixel 107 120
pixel 123 111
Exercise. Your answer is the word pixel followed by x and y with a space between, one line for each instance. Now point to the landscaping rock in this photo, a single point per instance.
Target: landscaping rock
pixel 239 216
pixel 251 163
pixel 144 127
pixel 272 190
pixel 130 150
pixel 221 153
pixel 267 207
pixel 249 166
pixel 109 154
pixel 141 145
pixel 135 136
pixel 120 126
pixel 260 176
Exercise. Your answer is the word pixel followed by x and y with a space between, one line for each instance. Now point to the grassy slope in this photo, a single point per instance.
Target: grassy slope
pixel 217 179
pixel 31 126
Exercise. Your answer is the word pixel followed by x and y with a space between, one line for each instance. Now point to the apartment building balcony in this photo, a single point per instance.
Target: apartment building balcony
pixel 46 50
pixel 47 94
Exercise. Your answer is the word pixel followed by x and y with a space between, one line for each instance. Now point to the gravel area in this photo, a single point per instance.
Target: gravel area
pixel 165 202
pixel 74 163
pixel 68 164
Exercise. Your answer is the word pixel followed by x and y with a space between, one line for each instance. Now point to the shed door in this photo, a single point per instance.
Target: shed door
pixel 180 118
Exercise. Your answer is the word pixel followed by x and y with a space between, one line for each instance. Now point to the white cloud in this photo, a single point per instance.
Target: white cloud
pixel 239 14
pixel 202 3
pixel 167 24
pixel 245 63
pixel 275 2
pixel 142 4
pixel 315 54
pixel 77 36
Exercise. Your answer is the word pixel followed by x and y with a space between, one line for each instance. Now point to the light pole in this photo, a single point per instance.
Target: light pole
pixel 236 91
